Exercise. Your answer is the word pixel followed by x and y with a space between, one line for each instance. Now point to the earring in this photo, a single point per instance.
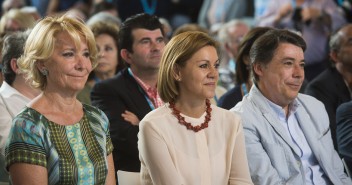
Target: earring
pixel 44 72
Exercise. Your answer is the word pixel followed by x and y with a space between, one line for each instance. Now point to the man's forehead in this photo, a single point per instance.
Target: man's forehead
pixel 141 33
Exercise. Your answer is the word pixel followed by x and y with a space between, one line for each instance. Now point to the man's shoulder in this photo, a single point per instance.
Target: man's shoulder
pixel 344 106
pixel 121 79
pixel 324 79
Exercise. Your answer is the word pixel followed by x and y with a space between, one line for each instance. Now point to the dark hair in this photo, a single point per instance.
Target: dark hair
pixel 264 47
pixel 13 48
pixel 143 21
pixel 103 6
pixel 242 70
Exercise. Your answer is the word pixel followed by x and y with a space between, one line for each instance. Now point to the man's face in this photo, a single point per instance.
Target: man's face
pixel 344 55
pixel 146 49
pixel 281 79
pixel 236 33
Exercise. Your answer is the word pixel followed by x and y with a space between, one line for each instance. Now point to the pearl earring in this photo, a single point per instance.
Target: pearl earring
pixel 44 72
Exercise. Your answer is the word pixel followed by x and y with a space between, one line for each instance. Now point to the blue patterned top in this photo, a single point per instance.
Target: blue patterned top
pixel 73 154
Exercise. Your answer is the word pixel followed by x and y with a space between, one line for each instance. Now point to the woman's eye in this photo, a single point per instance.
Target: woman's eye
pixel 203 66
pixel 86 54
pixel 108 48
pixel 217 65
pixel 68 54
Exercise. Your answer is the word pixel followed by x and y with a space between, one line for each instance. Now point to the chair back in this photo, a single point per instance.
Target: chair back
pixel 128 178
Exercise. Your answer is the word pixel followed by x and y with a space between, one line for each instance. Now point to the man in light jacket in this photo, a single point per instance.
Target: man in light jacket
pixel 288 139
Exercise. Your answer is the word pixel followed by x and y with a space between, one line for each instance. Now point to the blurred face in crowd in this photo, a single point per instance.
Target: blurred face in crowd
pixel 281 79
pixel 146 50
pixel 343 56
pixel 69 66
pixel 236 33
pixel 108 60
pixel 12 26
pixel 198 78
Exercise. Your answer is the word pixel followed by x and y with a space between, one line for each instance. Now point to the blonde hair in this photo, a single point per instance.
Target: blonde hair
pixel 41 43
pixel 178 50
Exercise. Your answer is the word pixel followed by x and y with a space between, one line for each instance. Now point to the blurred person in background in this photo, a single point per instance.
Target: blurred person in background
pixel 15 92
pixel 216 12
pixel 16 20
pixel 243 81
pixel 230 36
pixel 333 86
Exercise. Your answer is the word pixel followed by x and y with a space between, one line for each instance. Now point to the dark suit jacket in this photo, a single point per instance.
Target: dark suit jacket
pixel 114 96
pixel 329 87
pixel 344 131
pixel 230 98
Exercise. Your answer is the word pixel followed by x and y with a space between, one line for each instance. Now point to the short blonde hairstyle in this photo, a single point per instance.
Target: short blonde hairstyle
pixel 40 45
pixel 176 53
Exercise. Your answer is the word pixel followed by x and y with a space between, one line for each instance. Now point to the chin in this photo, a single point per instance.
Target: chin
pixel 210 96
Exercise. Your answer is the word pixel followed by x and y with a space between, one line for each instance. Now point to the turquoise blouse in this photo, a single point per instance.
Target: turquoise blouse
pixel 73 154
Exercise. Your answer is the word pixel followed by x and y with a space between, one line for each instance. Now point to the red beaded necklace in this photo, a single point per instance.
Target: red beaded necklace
pixel 182 120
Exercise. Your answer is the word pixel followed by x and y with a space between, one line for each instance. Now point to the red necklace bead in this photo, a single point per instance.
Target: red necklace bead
pixel 189 126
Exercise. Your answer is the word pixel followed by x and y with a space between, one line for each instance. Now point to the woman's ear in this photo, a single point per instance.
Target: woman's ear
pixel 176 73
pixel 40 65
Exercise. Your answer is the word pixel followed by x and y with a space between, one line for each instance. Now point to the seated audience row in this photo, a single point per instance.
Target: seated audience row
pixel 286 135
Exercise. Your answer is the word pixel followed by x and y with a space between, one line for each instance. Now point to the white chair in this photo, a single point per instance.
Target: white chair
pixel 128 178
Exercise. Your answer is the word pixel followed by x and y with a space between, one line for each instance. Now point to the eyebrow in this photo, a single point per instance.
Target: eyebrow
pixel 291 58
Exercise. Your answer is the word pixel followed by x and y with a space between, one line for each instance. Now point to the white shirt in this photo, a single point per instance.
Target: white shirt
pixel 11 103
pixel 314 174
pixel 171 154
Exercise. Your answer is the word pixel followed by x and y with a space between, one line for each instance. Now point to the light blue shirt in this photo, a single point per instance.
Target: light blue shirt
pixel 314 174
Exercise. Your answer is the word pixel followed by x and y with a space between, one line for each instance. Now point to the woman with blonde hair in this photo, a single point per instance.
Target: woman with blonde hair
pixel 56 139
pixel 189 140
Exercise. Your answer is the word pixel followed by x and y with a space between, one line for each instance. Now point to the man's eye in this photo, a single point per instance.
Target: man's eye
pixel 145 42
pixel 288 63
pixel 160 40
